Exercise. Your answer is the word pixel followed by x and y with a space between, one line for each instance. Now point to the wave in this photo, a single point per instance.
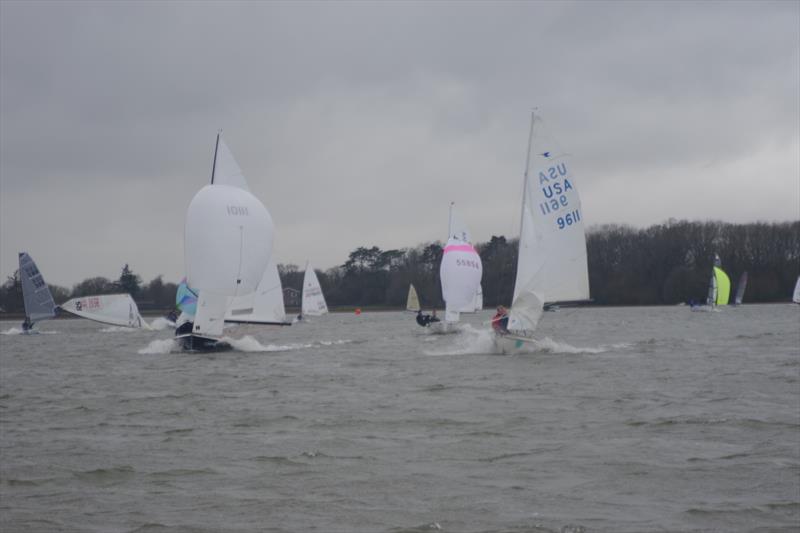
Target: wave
pixel 160 346
pixel 20 331
pixel 118 329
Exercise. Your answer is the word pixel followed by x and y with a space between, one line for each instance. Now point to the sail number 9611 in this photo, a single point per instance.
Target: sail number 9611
pixel 568 219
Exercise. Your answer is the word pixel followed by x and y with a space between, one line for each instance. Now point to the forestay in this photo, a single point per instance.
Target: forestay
pixel 38 301
pixel 114 309
pixel 552 262
pixel 313 303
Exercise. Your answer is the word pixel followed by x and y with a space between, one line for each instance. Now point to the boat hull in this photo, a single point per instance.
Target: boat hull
pixel 510 344
pixel 200 343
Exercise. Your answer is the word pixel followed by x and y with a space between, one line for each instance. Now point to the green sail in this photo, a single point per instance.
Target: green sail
pixel 723 286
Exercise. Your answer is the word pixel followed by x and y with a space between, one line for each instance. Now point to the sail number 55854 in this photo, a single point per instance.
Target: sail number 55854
pixel 568 219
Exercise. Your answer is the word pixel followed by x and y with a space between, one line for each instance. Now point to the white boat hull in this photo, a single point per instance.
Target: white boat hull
pixel 510 344
pixel 705 309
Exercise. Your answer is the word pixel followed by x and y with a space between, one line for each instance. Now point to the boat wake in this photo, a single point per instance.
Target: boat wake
pixel 161 323
pixel 246 344
pixel 481 341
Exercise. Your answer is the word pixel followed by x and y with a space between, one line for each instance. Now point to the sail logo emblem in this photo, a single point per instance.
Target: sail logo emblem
pixel 237 210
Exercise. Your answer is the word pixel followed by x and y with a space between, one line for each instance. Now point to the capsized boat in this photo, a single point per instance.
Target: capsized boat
pixel 313 301
pixel 228 246
pixel 36 297
pixel 113 309
pixel 551 264
pixel 719 288
pixel 460 273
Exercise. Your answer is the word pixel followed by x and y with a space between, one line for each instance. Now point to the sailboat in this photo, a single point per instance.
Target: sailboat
pixel 38 301
pixel 412 301
pixel 551 264
pixel 113 309
pixel 796 294
pixel 740 288
pixel 313 302
pixel 228 247
pixel 460 273
pixel 719 288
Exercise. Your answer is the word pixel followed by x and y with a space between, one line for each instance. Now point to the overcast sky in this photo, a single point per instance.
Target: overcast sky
pixel 357 123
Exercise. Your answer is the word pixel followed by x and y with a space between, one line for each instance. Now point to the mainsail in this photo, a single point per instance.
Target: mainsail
pixel 38 301
pixel 264 306
pixel 313 303
pixel 796 295
pixel 114 309
pixel 552 263
pixel 460 271
pixel 740 288
pixel 412 302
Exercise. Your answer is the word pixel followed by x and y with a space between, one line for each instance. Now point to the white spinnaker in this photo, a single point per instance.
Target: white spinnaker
pixel 114 309
pixel 264 306
pixel 38 301
pixel 552 262
pixel 796 295
pixel 228 242
pixel 460 273
pixel 412 302
pixel 313 300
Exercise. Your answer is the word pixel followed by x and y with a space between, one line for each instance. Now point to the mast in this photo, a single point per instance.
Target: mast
pixel 450 222
pixel 214 165
pixel 525 180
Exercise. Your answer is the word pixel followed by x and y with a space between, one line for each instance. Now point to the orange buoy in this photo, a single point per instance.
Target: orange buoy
pixel 358 311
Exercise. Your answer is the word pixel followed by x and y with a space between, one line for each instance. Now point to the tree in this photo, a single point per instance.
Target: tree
pixel 129 282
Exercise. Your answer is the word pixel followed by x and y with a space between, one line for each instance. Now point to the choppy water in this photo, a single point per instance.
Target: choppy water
pixel 629 419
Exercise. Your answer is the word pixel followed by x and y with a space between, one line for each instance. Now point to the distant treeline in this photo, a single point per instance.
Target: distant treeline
pixel 662 264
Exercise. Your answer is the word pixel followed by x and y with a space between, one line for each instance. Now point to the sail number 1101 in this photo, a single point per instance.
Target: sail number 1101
pixel 569 219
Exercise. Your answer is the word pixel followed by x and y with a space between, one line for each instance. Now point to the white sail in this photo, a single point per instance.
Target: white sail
pixel 264 306
pixel 552 262
pixel 114 309
pixel 38 301
pixel 460 271
pixel 313 300
pixel 412 302
pixel 228 242
pixel 711 299
pixel 740 288
pixel 796 295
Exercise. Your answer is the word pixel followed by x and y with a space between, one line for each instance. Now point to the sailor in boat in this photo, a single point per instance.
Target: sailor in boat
pixel 423 320
pixel 434 318
pixel 27 325
pixel 500 320
pixel 300 317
